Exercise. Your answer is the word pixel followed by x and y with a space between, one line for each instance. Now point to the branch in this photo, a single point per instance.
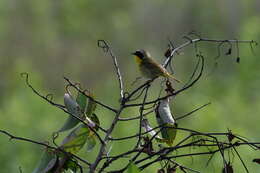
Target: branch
pixel 191 41
pixel 49 100
pixel 240 159
pixel 148 82
pixel 82 92
pixel 106 48
pixel 195 110
pixel 141 116
pixel 206 139
pixel 103 145
pixel 42 144
pixel 136 117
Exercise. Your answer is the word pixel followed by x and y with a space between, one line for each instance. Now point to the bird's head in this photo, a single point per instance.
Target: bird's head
pixel 141 55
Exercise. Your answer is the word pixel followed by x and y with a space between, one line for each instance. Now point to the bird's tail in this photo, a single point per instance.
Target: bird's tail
pixel 171 76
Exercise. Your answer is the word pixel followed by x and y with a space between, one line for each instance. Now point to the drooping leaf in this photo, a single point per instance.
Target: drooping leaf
pixel 132 168
pixel 91 142
pixel 46 158
pixel 75 109
pixel 50 166
pixel 82 101
pixel 76 139
pixel 91 118
pixel 91 106
pixel 169 133
pixel 71 105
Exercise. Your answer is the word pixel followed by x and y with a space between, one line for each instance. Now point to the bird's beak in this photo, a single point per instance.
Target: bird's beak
pixel 133 53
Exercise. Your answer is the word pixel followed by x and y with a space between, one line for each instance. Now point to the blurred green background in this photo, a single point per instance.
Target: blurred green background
pixel 49 39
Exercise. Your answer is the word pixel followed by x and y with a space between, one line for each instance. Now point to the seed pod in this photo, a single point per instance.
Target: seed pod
pixel 164 112
pixel 71 105
pixel 165 119
pixel 73 108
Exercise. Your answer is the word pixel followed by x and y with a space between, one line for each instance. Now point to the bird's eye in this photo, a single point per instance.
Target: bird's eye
pixel 139 54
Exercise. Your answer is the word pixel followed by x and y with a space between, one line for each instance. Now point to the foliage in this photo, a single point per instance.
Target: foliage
pixel 49 39
pixel 147 151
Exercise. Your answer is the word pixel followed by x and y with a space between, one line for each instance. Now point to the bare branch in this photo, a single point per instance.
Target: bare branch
pixel 82 92
pixel 141 116
pixel 195 110
pixel 209 141
pixel 42 144
pixel 49 100
pixel 175 50
pixel 240 158
pixel 103 145
pixel 135 117
pixel 106 48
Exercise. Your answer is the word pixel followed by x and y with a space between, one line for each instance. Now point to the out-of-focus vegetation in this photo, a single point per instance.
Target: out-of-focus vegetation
pixel 49 39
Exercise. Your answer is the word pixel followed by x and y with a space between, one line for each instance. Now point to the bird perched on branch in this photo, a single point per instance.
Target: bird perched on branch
pixel 149 67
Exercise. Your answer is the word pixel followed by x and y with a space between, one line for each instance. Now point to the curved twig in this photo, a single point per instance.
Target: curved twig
pixel 42 144
pixel 106 48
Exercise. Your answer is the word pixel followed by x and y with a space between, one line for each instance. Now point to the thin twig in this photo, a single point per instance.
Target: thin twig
pixel 148 82
pixel 195 110
pixel 102 147
pixel 175 50
pixel 42 144
pixel 141 116
pixel 135 117
pixel 205 139
pixel 95 100
pixel 240 158
pixel 106 48
pixel 59 106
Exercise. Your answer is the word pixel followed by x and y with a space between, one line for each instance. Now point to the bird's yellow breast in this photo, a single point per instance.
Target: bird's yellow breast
pixel 138 60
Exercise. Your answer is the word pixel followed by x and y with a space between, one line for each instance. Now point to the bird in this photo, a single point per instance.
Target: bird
pixel 149 67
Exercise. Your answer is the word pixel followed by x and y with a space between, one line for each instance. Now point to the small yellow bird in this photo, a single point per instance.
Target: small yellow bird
pixel 149 67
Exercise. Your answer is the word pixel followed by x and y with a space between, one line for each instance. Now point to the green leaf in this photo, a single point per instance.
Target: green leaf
pixel 95 119
pixel 50 166
pixel 91 106
pixel 72 165
pixel 82 101
pixel 75 108
pixel 76 139
pixel 46 160
pixel 132 168
pixel 91 142
pixel 169 133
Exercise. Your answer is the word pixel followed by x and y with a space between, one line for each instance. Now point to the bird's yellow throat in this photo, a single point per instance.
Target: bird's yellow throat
pixel 138 60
